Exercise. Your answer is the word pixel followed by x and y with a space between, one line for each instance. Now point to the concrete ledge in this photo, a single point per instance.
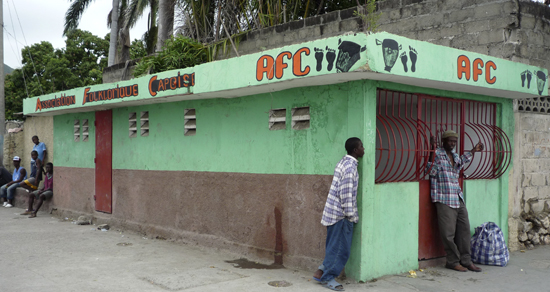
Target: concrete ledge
pixel 21 200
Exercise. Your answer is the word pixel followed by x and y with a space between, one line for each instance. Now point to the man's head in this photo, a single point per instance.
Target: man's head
pixel 354 147
pixel 34 154
pixel 49 167
pixel 35 140
pixel 449 138
pixel 16 161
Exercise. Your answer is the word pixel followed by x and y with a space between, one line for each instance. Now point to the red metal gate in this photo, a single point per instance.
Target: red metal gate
pixel 405 123
pixel 103 160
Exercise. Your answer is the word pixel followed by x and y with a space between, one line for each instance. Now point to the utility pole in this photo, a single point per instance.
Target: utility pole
pixel 2 99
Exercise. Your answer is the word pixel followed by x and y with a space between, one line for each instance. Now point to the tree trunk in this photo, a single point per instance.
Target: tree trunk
pixel 166 21
pixel 123 50
pixel 114 34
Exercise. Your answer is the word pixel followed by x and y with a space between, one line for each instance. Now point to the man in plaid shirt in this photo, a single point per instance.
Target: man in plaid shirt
pixel 452 216
pixel 340 215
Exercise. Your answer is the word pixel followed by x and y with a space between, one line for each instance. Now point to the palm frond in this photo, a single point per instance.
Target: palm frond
pixel 73 15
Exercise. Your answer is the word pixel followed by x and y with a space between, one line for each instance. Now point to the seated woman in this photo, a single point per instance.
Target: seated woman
pixel 43 194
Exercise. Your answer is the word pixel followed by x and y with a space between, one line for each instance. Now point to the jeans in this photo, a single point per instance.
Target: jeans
pixel 337 249
pixel 9 190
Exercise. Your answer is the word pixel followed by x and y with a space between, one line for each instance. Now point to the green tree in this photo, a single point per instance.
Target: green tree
pixel 46 70
pixel 119 46
pixel 177 52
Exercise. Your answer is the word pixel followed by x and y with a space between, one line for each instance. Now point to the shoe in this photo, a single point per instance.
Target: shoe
pixel 26 213
pixel 4 205
pixel 456 267
pixel 473 268
pixel 8 205
pixel 33 214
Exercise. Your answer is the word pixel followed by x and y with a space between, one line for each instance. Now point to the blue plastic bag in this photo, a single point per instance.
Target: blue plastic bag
pixel 488 246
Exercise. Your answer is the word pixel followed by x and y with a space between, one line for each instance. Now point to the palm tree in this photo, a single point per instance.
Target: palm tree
pixel 119 37
pixel 132 13
pixel 166 21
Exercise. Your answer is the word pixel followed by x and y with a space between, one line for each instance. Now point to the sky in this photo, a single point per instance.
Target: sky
pixel 27 22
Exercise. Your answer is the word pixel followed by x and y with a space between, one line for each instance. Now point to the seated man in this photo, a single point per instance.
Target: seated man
pixel 5 176
pixel 32 183
pixel 43 194
pixel 7 191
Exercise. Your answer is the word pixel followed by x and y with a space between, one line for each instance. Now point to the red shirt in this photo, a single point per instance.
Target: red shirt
pixel 48 182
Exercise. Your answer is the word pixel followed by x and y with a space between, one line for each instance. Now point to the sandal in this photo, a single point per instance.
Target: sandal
pixel 333 285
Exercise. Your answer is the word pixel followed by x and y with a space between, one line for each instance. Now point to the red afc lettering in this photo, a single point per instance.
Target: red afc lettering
pixel 270 67
pixel 475 69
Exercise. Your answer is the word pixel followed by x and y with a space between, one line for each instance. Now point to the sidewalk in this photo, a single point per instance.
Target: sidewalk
pixel 49 254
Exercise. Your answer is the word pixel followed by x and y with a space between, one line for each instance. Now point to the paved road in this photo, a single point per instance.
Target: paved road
pixel 51 254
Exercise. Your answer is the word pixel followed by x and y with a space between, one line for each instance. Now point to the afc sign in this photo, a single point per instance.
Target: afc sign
pixel 474 69
pixel 269 66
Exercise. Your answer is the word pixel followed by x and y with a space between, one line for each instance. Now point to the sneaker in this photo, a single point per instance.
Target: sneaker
pixel 26 213
pixel 5 203
pixel 8 205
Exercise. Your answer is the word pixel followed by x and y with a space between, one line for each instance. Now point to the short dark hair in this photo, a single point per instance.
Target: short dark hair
pixel 34 151
pixel 50 164
pixel 352 143
pixel 34 137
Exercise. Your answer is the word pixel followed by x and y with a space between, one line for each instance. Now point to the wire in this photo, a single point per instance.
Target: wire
pixel 13 27
pixel 30 56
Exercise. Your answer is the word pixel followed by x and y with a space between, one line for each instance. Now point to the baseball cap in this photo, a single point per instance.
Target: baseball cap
pixel 16 158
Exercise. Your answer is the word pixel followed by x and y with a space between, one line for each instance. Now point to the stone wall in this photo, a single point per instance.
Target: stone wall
pixel 530 203
pixel 20 144
pixel 13 143
pixel 509 29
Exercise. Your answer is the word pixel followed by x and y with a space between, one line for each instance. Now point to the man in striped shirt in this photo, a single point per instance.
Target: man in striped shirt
pixel 452 216
pixel 340 215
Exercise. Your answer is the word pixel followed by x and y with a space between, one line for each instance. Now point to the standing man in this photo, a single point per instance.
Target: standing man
pixel 40 148
pixel 340 215
pixel 452 216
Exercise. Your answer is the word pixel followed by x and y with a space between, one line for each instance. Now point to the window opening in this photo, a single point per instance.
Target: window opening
pixel 405 122
pixel 144 124
pixel 76 130
pixel 132 122
pixel 277 119
pixel 85 131
pixel 190 122
pixel 300 118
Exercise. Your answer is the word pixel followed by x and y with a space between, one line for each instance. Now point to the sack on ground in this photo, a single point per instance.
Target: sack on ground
pixel 488 246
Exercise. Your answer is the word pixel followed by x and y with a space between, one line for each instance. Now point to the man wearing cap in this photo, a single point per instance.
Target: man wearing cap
pixel 452 216
pixel 7 191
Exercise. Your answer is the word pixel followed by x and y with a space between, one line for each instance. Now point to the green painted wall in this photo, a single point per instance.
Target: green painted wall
pixel 391 231
pixel 233 134
pixel 69 153
pixel 487 201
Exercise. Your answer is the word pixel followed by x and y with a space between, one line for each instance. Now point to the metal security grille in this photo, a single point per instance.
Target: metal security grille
pixel 405 122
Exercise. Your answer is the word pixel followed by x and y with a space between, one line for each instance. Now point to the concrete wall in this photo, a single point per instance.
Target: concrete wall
pixel 530 181
pixel 13 143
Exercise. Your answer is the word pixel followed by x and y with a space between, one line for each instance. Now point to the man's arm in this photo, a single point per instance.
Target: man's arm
pixel 346 194
pixel 433 162
pixel 467 157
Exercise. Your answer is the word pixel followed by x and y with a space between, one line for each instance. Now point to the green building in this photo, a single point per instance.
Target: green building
pixel 239 153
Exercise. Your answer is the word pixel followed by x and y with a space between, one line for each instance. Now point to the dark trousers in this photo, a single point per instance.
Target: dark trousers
pixel 337 250
pixel 454 228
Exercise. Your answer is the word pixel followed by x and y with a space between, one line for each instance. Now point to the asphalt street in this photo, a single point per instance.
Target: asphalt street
pixel 50 254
